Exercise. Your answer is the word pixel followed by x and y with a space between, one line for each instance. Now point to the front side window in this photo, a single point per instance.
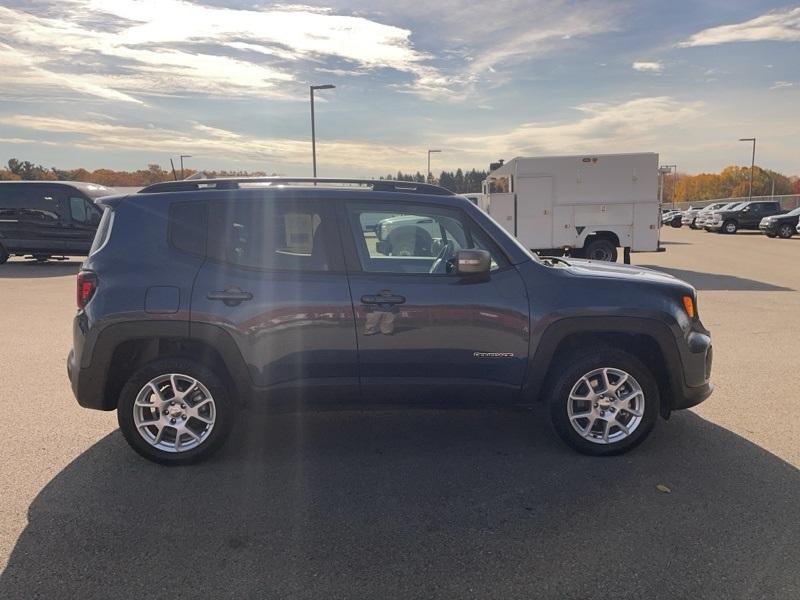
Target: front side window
pixel 408 239
pixel 270 234
pixel 78 210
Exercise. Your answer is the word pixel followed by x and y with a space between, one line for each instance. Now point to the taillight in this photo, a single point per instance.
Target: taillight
pixel 87 284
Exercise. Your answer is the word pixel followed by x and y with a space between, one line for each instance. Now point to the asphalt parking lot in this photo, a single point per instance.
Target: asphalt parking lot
pixel 449 504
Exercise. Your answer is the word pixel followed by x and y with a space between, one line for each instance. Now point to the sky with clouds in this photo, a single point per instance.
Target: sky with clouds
pixel 123 83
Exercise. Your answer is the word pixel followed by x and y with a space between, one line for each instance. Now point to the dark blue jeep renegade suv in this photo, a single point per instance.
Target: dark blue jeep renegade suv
pixel 200 296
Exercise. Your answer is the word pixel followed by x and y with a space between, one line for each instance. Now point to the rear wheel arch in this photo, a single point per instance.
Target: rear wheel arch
pixel 126 348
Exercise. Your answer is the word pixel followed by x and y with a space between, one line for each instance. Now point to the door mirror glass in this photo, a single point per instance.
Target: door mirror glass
pixel 473 262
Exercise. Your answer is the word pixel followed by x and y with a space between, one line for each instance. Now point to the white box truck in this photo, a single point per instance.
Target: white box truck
pixel 587 206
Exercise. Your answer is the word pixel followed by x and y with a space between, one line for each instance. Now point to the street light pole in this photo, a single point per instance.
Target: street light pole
pixel 674 170
pixel 429 164
pixel 313 132
pixel 182 157
pixel 752 163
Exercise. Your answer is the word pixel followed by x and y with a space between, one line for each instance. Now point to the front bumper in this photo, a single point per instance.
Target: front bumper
pixel 770 228
pixel 697 358
pixel 713 225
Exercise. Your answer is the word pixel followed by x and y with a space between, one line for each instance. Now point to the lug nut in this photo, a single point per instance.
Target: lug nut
pixel 602 413
pixel 183 406
pixel 183 417
pixel 172 403
pixel 172 421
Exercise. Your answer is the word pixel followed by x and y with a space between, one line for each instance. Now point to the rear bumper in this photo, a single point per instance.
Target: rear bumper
pixel 87 387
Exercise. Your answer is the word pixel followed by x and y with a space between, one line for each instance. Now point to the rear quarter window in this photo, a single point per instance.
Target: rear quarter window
pixel 103 232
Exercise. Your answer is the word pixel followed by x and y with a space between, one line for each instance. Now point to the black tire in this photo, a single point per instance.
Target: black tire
pixel 225 408
pixel 573 368
pixel 677 222
pixel 693 224
pixel 601 249
pixel 3 255
pixel 730 226
pixel 786 231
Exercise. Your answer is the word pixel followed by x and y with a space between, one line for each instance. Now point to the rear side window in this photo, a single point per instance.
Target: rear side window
pixel 103 231
pixel 281 234
pixel 77 209
pixel 187 227
pixel 41 204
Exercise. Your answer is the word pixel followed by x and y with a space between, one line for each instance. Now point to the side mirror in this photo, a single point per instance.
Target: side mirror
pixel 473 262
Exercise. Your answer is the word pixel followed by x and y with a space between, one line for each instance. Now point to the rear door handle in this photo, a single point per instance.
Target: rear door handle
pixel 231 297
pixel 383 298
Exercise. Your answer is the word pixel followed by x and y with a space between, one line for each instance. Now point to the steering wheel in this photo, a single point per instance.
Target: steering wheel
pixel 440 263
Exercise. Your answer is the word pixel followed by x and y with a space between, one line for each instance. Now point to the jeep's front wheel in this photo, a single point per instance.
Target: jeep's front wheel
pixel 730 226
pixel 604 403
pixel 786 231
pixel 175 411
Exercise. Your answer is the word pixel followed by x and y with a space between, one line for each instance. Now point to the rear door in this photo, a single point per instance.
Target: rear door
pixel 424 332
pixel 42 219
pixel 274 280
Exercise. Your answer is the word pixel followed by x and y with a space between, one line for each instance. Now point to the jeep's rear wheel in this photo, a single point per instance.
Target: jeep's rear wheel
pixel 730 227
pixel 175 411
pixel 604 403
pixel 601 249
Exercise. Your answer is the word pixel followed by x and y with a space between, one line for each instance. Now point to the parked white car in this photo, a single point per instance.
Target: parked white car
pixel 692 216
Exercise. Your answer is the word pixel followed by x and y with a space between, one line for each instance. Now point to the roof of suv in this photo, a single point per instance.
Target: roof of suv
pixel 93 190
pixel 235 183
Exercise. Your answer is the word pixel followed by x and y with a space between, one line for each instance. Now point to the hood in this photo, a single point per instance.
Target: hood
pixel 631 273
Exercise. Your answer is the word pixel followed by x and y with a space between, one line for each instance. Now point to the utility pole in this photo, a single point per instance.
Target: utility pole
pixel 182 157
pixel 429 164
pixel 752 163
pixel 327 86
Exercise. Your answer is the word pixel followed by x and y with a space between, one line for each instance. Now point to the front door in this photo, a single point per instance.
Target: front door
pixel 274 280
pixel 423 331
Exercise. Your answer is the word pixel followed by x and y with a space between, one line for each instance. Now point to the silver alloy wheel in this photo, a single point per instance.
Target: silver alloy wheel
pixel 730 227
pixel 606 405
pixel 174 412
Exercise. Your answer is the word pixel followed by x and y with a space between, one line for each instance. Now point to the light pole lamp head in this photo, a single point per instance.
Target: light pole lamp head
pixel 327 86
pixel 747 139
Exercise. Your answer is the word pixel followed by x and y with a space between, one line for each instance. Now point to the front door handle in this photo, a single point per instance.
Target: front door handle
pixel 231 296
pixel 385 297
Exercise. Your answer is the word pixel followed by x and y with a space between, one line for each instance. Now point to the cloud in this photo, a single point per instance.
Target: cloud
pixel 777 26
pixel 623 127
pixel 648 67
pixel 174 46
pixel 782 84
pixel 214 145
pixel 637 124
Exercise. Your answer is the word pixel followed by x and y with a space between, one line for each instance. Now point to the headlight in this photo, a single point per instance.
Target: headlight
pixel 716 218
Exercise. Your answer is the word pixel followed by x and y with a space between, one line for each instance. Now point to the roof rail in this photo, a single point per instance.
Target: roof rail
pixel 233 183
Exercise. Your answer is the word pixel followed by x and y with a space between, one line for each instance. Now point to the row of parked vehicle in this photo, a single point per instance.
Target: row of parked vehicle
pixel 766 216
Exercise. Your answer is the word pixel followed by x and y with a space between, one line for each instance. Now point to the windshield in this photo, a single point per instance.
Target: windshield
pixel 794 213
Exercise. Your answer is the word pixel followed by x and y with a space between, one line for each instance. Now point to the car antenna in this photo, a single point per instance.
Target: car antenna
pixel 174 174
